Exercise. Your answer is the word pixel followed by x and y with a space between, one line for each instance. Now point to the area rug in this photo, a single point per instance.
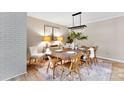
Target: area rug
pixel 100 72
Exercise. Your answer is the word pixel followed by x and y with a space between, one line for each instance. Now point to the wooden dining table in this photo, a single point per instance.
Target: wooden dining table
pixel 65 53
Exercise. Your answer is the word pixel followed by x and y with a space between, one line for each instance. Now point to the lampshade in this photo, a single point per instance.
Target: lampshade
pixel 59 38
pixel 47 38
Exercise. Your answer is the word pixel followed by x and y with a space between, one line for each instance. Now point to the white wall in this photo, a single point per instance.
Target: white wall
pixel 36 30
pixel 12 44
pixel 108 35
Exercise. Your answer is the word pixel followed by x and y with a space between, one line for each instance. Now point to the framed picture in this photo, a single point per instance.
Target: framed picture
pixel 56 31
pixel 51 31
pixel 48 30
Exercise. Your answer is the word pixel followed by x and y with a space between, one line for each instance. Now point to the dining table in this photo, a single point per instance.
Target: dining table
pixel 65 53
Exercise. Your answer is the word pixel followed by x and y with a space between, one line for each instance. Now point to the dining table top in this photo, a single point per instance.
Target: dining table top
pixel 65 53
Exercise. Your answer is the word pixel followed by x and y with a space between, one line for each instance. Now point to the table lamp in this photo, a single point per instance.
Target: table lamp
pixel 46 39
pixel 59 38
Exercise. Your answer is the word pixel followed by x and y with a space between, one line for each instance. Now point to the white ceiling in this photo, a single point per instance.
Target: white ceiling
pixel 65 18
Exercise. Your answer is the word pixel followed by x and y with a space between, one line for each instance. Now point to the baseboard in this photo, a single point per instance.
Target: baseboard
pixel 14 76
pixel 121 61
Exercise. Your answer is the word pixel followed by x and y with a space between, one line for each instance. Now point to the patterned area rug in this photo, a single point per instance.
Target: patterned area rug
pixel 99 72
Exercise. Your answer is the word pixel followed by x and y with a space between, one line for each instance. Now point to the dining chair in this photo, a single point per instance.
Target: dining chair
pixel 73 66
pixel 85 56
pixel 53 62
pixel 34 55
pixel 90 55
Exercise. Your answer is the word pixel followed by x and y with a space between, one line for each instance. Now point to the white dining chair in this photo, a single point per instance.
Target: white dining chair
pixel 92 55
pixel 92 52
pixel 34 55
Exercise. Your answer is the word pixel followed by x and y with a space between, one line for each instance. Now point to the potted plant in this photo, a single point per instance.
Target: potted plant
pixel 75 35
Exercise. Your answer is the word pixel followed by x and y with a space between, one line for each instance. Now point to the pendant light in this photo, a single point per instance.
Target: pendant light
pixel 80 26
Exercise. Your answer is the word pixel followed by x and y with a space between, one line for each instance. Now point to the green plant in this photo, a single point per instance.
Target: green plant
pixel 75 35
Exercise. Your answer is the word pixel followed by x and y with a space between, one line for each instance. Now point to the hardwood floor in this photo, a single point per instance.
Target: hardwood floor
pixel 117 71
pixel 34 75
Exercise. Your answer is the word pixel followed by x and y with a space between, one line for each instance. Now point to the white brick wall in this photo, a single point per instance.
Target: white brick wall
pixel 12 44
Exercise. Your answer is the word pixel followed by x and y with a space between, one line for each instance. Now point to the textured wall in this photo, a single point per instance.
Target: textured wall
pixel 12 44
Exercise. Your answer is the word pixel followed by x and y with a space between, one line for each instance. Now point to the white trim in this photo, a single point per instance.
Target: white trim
pixel 14 76
pixel 121 61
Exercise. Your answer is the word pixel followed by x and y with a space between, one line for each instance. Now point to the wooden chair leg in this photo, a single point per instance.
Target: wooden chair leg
pixel 95 60
pixel 62 73
pixel 48 67
pixel 88 61
pixel 54 72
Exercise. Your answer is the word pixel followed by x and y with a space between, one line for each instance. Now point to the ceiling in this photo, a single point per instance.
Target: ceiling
pixel 65 18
